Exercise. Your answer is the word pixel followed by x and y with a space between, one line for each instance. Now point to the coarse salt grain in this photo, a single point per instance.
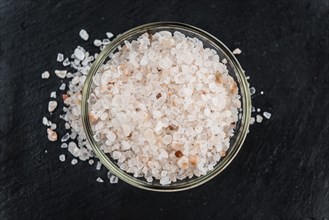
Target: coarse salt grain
pixel 97 43
pixel 45 121
pixel 52 106
pixel 84 35
pixel 45 75
pixel 100 180
pixel 267 115
pixel 53 95
pixel 60 57
pixel 62 87
pixel 79 54
pixel 114 179
pixel 74 161
pixel 52 135
pixel 259 118
pixel 66 62
pixel 109 35
pixel 98 165
pixel 62 157
pixel 60 73
pixel 237 51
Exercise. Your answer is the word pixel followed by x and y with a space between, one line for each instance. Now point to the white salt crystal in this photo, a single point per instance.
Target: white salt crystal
pixel 73 149
pixel 52 106
pixel 262 92
pixel 65 137
pixel 64 145
pixel 53 95
pixel 62 157
pixel 106 41
pixel 167 139
pixel 45 75
pixel 259 118
pixel 98 165
pixel 45 121
pixel 237 51
pixel 66 62
pixel 61 73
pixel 114 179
pixel 100 180
pixel 109 174
pixel 252 120
pixel 267 115
pixel 165 63
pixel 62 87
pixel 252 90
pixel 79 54
pixel 53 126
pixel 60 57
pixel 91 162
pixel 74 161
pixel 258 109
pixel 97 43
pixel 84 34
pixel 109 35
pixel 67 126
pixel 224 61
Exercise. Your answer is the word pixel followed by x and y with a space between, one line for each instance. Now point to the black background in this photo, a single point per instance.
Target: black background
pixel 281 171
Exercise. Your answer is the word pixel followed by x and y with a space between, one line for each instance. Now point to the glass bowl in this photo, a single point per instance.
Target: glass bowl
pixel 235 71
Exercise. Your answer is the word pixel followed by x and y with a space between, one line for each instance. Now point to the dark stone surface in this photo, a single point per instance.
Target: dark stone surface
pixel 281 171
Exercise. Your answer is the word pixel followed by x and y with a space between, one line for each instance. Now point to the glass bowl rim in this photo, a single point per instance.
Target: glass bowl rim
pixel 245 96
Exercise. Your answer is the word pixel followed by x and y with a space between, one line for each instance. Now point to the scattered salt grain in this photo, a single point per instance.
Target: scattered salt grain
pixel 79 54
pixel 109 174
pixel 97 43
pixel 60 57
pixel 62 87
pixel 62 157
pixel 53 126
pixel 109 35
pixel 98 165
pixel 52 106
pixel 91 162
pixel 73 149
pixel 52 135
pixel 60 73
pixel 100 180
pixel 114 179
pixel 67 126
pixel 65 137
pixel 53 95
pixel 237 51
pixel 252 90
pixel 45 121
pixel 262 92
pixel 84 34
pixel 267 115
pixel 252 120
pixel 74 161
pixel 45 75
pixel 259 118
pixel 66 62
pixel 64 145
pixel 258 109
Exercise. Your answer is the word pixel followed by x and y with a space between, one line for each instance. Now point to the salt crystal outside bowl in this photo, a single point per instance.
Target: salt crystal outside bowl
pixel 235 71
